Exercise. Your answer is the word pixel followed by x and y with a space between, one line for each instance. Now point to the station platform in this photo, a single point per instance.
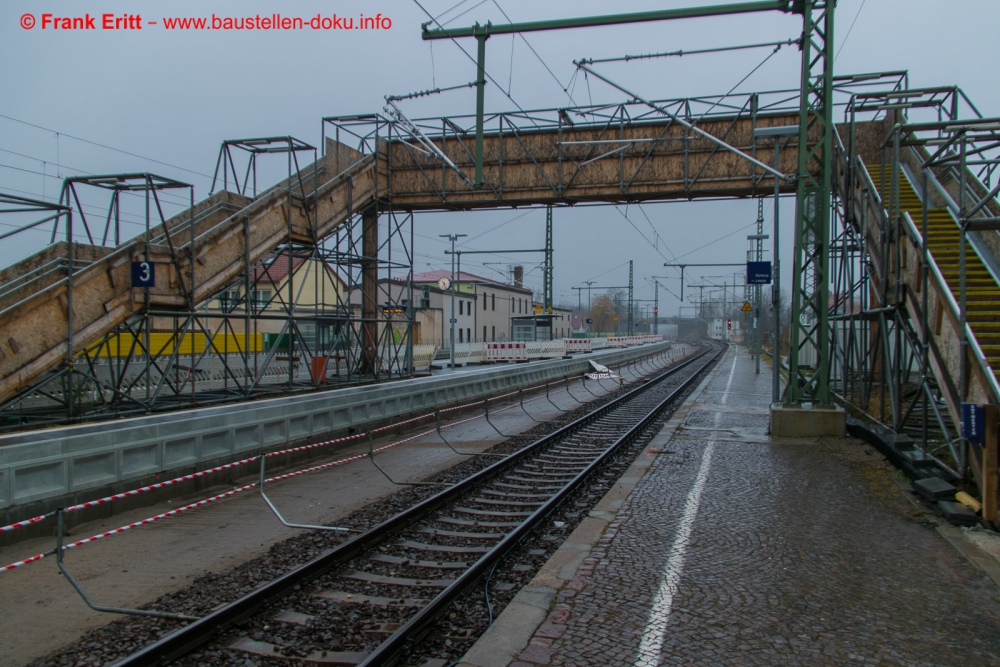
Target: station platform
pixel 722 545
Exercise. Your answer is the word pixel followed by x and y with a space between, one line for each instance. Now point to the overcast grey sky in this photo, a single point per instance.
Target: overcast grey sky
pixel 173 96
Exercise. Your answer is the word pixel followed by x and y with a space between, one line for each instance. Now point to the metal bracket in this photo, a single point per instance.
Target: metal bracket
pixel 520 397
pixel 371 456
pixel 86 598
pixel 549 398
pixel 437 419
pixel 486 405
pixel 306 526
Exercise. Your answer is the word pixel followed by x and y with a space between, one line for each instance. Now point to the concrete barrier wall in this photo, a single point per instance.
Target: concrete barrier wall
pixel 78 463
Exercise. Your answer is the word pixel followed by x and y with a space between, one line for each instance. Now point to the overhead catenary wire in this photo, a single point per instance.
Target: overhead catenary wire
pixel 565 89
pixel 165 195
pixel 473 60
pixel 452 8
pixel 848 33
pixel 639 232
pixel 105 146
pixel 740 82
pixel 455 18
pixel 689 52
pixel 645 215
pixel 604 273
pixel 701 247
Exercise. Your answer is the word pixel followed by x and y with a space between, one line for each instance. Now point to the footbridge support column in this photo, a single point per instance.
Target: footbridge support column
pixel 369 291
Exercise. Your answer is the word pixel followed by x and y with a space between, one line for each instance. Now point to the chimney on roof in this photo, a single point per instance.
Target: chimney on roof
pixel 519 277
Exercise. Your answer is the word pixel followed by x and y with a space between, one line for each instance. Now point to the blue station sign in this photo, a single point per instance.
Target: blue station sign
pixel 758 273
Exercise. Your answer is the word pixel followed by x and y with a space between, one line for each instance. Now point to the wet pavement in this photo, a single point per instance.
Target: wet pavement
pixel 733 548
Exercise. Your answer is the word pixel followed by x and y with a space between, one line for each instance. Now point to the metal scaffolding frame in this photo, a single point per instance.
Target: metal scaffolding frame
pixel 348 321
pixel 888 358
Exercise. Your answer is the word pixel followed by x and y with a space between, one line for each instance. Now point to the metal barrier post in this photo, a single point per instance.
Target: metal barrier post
pixel 86 598
pixel 305 526
pixel 549 398
pixel 486 405
pixel 437 419
pixel 520 397
pixel 568 383
pixel 371 456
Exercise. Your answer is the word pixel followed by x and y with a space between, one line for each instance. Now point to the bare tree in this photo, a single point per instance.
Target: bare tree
pixel 602 311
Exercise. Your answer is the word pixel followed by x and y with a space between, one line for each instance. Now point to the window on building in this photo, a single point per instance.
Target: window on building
pixel 461 307
pixel 493 300
pixel 460 336
pixel 494 337
pixel 484 300
pixel 260 297
pixel 484 333
pixel 468 334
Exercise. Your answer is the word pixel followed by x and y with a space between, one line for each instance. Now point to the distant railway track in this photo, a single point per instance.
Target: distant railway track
pixel 399 578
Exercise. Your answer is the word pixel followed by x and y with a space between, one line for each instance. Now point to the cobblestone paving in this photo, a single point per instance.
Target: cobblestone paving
pixel 798 554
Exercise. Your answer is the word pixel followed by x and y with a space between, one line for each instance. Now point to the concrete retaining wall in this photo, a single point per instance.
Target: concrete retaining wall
pixel 43 470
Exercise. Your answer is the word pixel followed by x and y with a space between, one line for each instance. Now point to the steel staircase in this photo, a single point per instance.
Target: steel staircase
pixel 982 290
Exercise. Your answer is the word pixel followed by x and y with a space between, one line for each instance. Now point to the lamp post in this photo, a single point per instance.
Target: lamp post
pixel 777 133
pixel 452 238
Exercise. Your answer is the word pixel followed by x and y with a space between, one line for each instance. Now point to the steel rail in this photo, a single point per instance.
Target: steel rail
pixel 187 638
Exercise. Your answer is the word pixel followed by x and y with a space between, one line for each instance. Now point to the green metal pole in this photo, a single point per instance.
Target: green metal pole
pixel 609 19
pixel 480 102
pixel 810 273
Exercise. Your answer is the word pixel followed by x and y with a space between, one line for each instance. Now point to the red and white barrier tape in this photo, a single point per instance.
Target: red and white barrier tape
pixel 316 444
pixel 136 524
pixel 227 494
pixel 27 522
pixel 233 492
pixel 127 494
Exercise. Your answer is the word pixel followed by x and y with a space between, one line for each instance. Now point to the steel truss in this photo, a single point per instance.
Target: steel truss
pixel 892 357
pixel 335 310
pixel 432 136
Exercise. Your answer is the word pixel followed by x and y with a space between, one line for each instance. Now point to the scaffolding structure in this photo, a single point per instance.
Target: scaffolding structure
pixel 903 351
pixel 315 312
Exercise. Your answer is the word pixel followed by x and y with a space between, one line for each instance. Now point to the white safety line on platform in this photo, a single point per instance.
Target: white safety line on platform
pixel 659 614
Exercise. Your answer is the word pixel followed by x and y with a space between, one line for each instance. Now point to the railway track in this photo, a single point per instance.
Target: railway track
pixel 396 581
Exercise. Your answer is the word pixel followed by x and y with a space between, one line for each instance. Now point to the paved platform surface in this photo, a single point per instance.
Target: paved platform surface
pixel 723 546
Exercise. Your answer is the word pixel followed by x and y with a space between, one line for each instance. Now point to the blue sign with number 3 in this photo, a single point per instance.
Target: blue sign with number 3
pixel 143 274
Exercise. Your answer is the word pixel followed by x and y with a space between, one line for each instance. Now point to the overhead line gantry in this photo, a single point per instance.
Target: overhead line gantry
pixel 813 178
